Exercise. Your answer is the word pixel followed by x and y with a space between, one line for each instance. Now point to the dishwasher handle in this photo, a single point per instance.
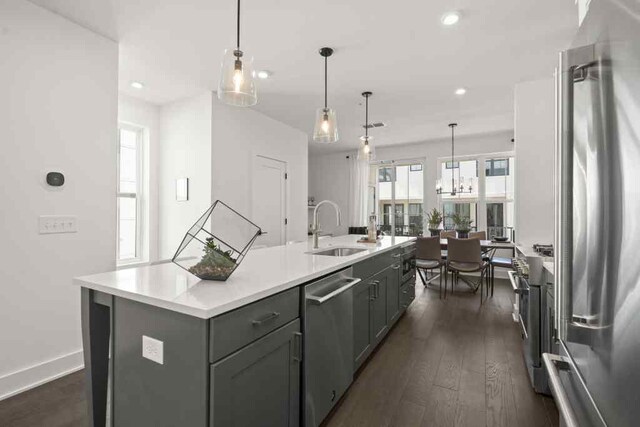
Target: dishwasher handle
pixel 321 300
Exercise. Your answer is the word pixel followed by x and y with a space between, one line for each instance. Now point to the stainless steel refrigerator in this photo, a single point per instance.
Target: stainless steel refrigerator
pixel 595 378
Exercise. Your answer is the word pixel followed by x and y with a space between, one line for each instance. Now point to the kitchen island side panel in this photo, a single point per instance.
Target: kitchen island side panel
pixel 147 393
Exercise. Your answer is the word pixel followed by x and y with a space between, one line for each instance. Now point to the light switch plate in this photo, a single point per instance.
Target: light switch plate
pixel 54 224
pixel 153 349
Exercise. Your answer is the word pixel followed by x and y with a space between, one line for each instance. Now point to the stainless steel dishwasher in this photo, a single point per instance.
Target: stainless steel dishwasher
pixel 328 343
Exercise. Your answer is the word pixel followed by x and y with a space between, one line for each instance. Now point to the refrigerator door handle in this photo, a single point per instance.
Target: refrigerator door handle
pixel 573 68
pixel 554 364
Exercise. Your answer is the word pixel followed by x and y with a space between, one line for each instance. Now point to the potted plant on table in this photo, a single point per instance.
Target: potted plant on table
pixel 462 225
pixel 434 219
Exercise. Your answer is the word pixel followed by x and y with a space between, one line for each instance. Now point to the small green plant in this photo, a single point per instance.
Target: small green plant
pixel 215 262
pixel 461 223
pixel 434 218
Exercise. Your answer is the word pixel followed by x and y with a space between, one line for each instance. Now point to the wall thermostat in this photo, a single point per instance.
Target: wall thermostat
pixel 55 179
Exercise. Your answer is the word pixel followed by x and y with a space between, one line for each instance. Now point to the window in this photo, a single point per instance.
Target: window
pixel 468 210
pixel 464 175
pixel 401 197
pixel 385 175
pixel 497 167
pixel 489 204
pixel 452 165
pixel 129 197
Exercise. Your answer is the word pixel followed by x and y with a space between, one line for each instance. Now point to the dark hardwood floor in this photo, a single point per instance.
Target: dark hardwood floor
pixel 446 363
pixel 60 403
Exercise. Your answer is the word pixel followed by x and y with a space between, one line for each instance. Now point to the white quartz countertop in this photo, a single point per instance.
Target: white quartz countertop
pixel 263 272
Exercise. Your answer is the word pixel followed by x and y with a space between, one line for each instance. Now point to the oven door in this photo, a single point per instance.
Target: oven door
pixel 523 295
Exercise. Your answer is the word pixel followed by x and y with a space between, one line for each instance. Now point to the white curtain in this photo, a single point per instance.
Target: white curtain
pixel 358 191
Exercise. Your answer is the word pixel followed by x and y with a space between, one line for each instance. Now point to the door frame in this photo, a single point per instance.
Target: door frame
pixel 285 191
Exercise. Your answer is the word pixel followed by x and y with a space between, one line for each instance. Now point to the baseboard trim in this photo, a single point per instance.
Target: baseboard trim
pixel 26 379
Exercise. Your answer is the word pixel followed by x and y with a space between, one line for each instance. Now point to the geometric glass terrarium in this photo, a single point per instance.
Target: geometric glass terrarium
pixel 216 244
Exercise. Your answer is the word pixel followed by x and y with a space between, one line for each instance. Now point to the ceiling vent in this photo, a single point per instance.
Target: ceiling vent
pixel 375 125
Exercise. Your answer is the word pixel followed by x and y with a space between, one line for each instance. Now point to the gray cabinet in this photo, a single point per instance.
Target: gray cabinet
pixel 407 294
pixel 369 315
pixel 362 346
pixel 379 326
pixel 259 385
pixel 393 294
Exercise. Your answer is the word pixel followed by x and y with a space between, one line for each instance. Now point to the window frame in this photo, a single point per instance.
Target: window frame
pixel 481 198
pixel 138 195
pixel 491 170
pixel 389 177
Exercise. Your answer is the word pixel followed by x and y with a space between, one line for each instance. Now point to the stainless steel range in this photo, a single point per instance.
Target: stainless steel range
pixel 527 283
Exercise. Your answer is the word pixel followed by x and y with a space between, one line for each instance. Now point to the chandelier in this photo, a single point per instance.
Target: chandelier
pixel 459 185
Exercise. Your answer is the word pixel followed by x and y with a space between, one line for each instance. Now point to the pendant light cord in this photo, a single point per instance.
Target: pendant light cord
pixel 453 169
pixel 238 27
pixel 366 118
pixel 325 82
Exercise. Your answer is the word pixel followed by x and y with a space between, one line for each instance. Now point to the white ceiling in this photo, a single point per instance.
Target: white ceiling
pixel 400 51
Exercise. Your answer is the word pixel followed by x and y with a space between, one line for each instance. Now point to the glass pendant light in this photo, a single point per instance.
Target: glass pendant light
pixel 326 128
pixel 237 86
pixel 366 151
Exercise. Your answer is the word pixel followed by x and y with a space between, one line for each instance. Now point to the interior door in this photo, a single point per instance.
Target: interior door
pixel 269 200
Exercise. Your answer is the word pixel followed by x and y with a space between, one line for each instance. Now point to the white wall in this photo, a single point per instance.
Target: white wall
pixel 329 179
pixel 185 152
pixel 240 134
pixel 329 173
pixel 214 146
pixel 535 136
pixel 147 116
pixel 58 111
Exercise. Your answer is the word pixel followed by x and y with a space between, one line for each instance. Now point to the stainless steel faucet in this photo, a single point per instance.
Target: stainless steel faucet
pixel 315 229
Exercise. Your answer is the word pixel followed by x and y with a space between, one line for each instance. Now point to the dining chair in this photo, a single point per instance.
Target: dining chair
pixel 465 256
pixel 480 235
pixel 445 234
pixel 428 258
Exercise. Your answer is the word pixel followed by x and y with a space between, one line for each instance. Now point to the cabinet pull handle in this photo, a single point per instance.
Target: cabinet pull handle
pixel 297 347
pixel 396 267
pixel 270 316
pixel 396 255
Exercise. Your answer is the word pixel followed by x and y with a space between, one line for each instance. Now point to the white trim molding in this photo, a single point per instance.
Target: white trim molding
pixel 31 377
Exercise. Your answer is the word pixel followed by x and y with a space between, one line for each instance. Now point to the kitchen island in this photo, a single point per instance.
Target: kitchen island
pixel 199 353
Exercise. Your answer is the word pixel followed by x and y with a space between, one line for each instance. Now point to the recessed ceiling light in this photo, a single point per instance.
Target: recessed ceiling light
pixel 137 85
pixel 461 91
pixel 264 74
pixel 450 18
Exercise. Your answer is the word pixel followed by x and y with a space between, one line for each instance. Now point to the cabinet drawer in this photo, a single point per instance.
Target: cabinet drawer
pixel 369 267
pixel 232 331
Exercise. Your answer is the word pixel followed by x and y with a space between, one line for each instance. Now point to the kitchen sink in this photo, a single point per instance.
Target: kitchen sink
pixel 338 251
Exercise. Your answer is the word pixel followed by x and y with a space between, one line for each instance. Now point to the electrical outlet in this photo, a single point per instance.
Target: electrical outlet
pixel 54 224
pixel 153 349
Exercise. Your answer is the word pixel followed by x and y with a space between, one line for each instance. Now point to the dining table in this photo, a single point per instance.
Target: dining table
pixel 487 247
